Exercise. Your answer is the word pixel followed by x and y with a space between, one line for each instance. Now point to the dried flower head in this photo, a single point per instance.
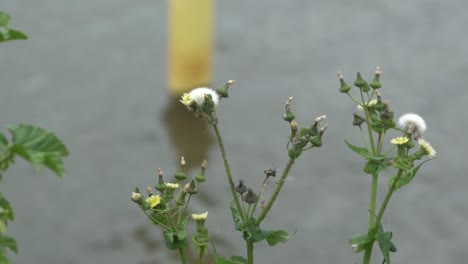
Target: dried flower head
pixel 153 200
pixel 171 185
pixel 197 217
pixel 399 140
pixel 412 123
pixel 136 196
pixel 426 148
pixel 197 95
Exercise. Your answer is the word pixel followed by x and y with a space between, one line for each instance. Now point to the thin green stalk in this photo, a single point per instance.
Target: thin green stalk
pixel 228 172
pixel 183 257
pixel 250 251
pixel 380 142
pixel 387 197
pixel 354 99
pixel 154 220
pixel 260 193
pixel 200 257
pixel 277 190
pixel 373 199
pixel 366 112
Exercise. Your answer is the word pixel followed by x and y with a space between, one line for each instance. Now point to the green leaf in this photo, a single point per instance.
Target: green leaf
pixel 6 209
pixel 238 260
pixel 362 241
pixel 405 178
pixel 236 216
pixel 363 152
pixel 277 236
pixel 8 242
pixel 383 238
pixel 38 146
pixel 173 242
pixel 4 258
pixel 7 33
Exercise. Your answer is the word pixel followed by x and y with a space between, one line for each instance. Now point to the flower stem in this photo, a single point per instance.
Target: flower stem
pixel 228 172
pixel 250 250
pixel 183 257
pixel 387 197
pixel 277 190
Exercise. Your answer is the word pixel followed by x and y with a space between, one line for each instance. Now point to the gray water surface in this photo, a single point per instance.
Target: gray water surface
pixel 94 73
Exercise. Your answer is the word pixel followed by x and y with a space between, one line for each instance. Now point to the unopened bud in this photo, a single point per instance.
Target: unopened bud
pixel 289 116
pixel 241 188
pixel 358 120
pixel 182 161
pixel 344 86
pixel 250 197
pixel 186 187
pixel 231 82
pixel 149 190
pixel 323 129
pixel 160 186
pixel 192 188
pixel 200 177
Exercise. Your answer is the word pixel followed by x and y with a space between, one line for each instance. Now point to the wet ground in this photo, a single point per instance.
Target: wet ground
pixel 94 72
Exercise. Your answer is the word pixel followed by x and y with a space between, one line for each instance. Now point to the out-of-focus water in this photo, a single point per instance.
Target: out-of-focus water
pixel 94 72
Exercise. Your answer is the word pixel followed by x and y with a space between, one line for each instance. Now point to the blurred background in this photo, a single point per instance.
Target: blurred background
pixel 95 73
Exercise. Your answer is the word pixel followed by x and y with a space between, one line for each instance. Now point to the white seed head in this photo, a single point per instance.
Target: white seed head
pixel 198 95
pixel 412 122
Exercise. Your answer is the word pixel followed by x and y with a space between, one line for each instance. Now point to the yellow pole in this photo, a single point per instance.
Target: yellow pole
pixel 190 44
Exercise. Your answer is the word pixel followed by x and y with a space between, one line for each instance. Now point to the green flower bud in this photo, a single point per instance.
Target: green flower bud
pixel 250 197
pixel 180 176
pixel 193 188
pixel 344 88
pixel 294 153
pixel 375 84
pixel 316 141
pixel 181 199
pixel 200 177
pixel 160 186
pixel 360 82
pixel 289 116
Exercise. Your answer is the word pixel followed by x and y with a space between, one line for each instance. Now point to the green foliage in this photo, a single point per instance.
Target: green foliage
pixel 36 145
pixel 385 244
pixel 175 240
pixel 6 32
pixel 363 152
pixel 405 178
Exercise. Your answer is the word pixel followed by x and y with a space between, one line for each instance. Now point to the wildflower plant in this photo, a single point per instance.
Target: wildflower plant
pixel 248 207
pixel 375 119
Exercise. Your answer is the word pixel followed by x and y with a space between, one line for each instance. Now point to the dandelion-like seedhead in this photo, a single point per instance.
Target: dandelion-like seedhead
pixel 412 123
pixel 426 148
pixel 197 217
pixel 197 96
pixel 153 200
pixel 399 140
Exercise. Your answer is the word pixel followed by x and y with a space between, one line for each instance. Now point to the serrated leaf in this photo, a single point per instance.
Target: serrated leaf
pixel 38 146
pixel 8 242
pixel 406 178
pixel 220 260
pixel 383 238
pixel 277 236
pixel 363 152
